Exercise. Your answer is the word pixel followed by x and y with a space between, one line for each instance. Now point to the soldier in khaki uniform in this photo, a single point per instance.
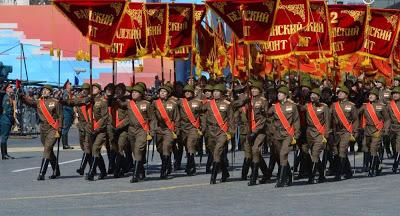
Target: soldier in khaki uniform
pixel 384 97
pixel 318 119
pixel 394 118
pixel 110 143
pixel 190 109
pixel 98 132
pixel 120 131
pixel 345 128
pixel 375 123
pixel 50 115
pixel 286 124
pixel 81 102
pixel 166 120
pixel 207 95
pixel 140 115
pixel 219 123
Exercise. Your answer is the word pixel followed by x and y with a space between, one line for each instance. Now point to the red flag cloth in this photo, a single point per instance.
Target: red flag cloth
pixel 130 37
pixel 157 26
pixel 382 33
pixel 97 20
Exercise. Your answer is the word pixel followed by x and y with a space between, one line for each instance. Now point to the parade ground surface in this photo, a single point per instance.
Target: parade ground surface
pixel 70 194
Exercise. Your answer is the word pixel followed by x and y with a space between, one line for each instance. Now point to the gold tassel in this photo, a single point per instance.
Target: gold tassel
pixel 58 52
pixel 51 51
pixel 366 62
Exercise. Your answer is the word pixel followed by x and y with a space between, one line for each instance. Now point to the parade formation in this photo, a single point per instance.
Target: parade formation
pixel 304 77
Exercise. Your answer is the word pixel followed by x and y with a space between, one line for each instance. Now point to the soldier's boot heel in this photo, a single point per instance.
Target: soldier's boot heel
pixel 135 175
pixel 321 171
pixel 117 166
pixel 43 169
pixel 214 173
pixel 339 169
pixel 92 170
pixel 102 167
pixel 311 178
pixel 82 167
pixel 254 175
pixel 396 163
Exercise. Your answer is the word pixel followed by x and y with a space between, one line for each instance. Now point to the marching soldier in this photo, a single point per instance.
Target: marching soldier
pixel 384 97
pixel 167 118
pixel 345 126
pixel 120 132
pixel 50 115
pixel 98 131
pixel 7 119
pixel 286 124
pixel 190 109
pixel 207 96
pixel 219 123
pixel 257 110
pixel 140 115
pixel 318 129
pixel 110 138
pixel 375 123
pixel 82 104
pixel 394 118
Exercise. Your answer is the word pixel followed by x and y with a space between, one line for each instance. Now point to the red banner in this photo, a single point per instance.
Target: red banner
pixel 157 21
pixel 291 17
pixel 382 32
pixel 250 20
pixel 206 53
pixel 180 26
pixel 315 38
pixel 348 27
pixel 198 14
pixel 96 20
pixel 130 39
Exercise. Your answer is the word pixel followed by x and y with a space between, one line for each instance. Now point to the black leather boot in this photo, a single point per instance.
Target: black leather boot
pixel 366 161
pixel 245 168
pixel 378 168
pixel 56 169
pixel 163 171
pixel 92 170
pixel 135 174
pixel 209 162
pixel 117 166
pixel 396 163
pixel 283 179
pixel 339 168
pixel 311 177
pixel 84 161
pixel 371 171
pixel 43 169
pixel 102 167
pixel 321 171
pixel 254 175
pixel 169 165
pixel 225 173
pixel 111 161
pixel 267 174
pixel 272 162
pixel 214 173
pixel 192 167
pixel 305 166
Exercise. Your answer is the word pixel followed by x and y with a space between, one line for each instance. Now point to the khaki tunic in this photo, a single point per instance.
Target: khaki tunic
pixel 189 133
pixel 100 114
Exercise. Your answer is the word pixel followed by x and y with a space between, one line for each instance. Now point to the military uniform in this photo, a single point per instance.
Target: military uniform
pixel 394 118
pixel 282 138
pixel 384 97
pixel 49 131
pixel 6 123
pixel 203 117
pixel 343 134
pixel 218 137
pixel 166 134
pixel 138 131
pixel 190 110
pixel 317 131
pixel 98 134
pixel 373 131
pixel 82 105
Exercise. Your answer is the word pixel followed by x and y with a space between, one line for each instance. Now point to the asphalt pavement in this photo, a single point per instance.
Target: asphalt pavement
pixel 22 194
